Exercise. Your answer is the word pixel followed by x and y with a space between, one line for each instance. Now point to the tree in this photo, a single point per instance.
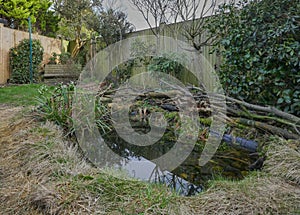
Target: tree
pixel 47 23
pixel 195 14
pixel 76 15
pixel 192 12
pixel 18 11
pixel 156 12
pixel 113 25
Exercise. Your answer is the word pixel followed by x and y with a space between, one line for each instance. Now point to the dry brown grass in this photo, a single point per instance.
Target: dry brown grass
pixel 14 183
pixel 254 195
pixel 284 159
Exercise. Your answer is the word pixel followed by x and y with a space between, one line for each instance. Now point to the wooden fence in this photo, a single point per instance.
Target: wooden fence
pixel 176 31
pixel 10 38
pixel 208 61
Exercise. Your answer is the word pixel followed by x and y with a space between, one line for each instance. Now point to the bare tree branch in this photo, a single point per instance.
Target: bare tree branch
pixel 155 12
pixel 194 12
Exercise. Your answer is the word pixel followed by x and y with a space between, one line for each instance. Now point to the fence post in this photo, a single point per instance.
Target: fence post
pixel 30 54
pixel 2 69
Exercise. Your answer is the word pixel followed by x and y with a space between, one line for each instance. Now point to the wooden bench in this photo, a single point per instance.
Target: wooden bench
pixel 58 73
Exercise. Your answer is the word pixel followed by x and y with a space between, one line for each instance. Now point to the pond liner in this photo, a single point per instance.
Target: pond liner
pixel 250 145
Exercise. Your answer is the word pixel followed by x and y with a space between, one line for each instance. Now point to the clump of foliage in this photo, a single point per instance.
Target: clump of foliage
pixel 16 12
pixel 47 23
pixel 167 63
pixel 261 51
pixel 20 61
pixel 56 105
pixel 140 48
pixel 171 63
pixel 113 26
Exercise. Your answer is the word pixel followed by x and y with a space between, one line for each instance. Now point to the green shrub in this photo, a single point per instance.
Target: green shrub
pixel 54 58
pixel 170 63
pixel 65 58
pixel 20 61
pixel 261 52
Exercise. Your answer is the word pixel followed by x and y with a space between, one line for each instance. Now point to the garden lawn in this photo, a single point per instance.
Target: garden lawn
pixel 19 95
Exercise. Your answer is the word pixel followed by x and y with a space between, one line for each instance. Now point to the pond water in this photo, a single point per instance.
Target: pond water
pixel 187 179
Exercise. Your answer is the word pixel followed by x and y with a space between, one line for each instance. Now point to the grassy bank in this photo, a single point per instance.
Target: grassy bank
pixel 44 173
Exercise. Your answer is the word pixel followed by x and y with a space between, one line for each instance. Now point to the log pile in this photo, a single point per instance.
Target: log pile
pixel 266 119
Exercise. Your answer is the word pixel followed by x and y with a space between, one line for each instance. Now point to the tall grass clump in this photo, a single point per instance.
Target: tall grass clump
pixel 56 106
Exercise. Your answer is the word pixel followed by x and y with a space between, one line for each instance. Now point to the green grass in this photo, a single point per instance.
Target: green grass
pixel 21 95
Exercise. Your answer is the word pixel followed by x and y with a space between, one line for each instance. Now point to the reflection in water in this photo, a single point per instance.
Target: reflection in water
pixel 143 169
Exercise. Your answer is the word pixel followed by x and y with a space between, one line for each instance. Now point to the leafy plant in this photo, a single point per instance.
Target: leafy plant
pixel 20 61
pixel 53 59
pixel 261 51
pixel 58 106
pixel 65 58
pixel 171 63
pixel 139 49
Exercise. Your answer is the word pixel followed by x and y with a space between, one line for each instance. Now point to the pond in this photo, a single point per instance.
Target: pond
pixel 189 178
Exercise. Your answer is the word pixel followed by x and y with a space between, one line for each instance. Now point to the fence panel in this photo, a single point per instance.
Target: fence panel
pixel 10 38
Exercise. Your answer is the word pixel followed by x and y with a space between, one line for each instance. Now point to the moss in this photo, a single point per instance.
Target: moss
pixel 205 121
